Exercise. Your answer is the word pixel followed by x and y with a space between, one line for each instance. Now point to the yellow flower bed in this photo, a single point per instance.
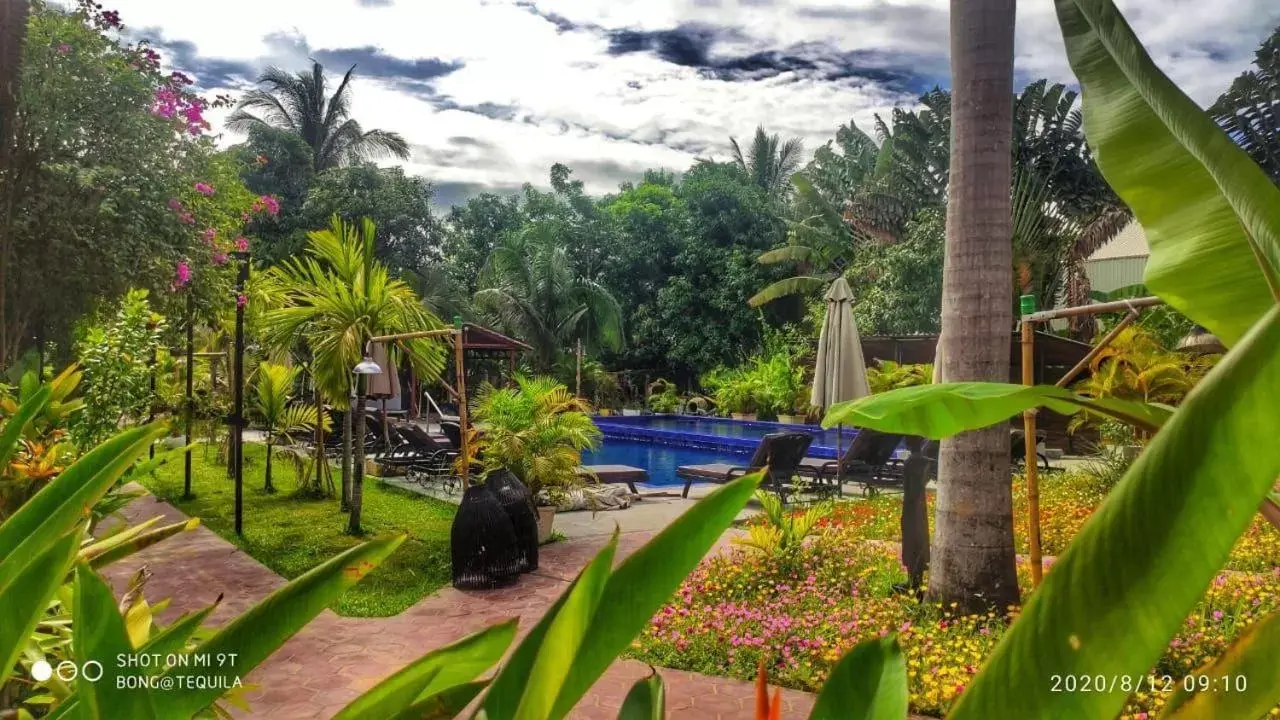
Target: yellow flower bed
pixel 800 612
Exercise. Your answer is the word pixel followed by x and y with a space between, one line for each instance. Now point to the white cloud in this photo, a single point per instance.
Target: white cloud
pixel 538 84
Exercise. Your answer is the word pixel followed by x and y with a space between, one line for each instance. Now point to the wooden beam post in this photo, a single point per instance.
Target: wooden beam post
pixel 1106 340
pixel 461 379
pixel 1029 430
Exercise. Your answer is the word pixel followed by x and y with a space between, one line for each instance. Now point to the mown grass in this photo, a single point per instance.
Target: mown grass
pixel 292 534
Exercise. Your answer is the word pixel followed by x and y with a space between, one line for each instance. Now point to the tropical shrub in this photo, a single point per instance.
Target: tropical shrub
pixel 115 356
pixel 888 375
pixel 43 446
pixel 779 532
pixel 664 397
pixel 273 393
pixel 537 430
pixel 735 390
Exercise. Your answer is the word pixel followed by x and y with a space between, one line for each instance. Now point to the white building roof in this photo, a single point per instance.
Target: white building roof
pixel 1129 242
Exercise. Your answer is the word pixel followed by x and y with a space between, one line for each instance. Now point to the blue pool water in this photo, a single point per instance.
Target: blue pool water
pixel 660 461
pixel 718 434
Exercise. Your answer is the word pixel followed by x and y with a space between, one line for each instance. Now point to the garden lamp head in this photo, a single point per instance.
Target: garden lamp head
pixel 367 367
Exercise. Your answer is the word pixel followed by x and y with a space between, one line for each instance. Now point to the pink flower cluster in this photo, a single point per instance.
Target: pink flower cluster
pixel 181 275
pixel 205 189
pixel 268 204
pixel 170 103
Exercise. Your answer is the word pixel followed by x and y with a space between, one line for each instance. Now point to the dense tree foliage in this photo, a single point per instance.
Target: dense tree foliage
pixel 109 181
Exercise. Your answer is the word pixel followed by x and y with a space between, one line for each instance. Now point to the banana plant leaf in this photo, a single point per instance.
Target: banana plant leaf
pixel 946 409
pixel 869 683
pixel 647 700
pixel 1123 587
pixel 1244 682
pixel 1211 215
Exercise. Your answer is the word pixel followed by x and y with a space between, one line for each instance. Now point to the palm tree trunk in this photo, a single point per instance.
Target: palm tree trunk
pixel 346 459
pixel 357 477
pixel 269 487
pixel 973 555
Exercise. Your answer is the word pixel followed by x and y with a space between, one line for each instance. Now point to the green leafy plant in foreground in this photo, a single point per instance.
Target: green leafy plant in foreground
pixel 1214 227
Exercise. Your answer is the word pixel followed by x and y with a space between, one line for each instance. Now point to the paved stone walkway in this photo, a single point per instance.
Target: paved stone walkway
pixel 334 658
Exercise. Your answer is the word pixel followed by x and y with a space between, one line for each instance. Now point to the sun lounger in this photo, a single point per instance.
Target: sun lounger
pixel 868 460
pixel 779 452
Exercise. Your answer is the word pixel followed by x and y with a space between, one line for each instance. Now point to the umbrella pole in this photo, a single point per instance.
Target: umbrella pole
pixel 839 459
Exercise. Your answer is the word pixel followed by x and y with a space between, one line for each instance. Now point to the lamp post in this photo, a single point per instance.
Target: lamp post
pixel 188 413
pixel 237 417
pixel 362 371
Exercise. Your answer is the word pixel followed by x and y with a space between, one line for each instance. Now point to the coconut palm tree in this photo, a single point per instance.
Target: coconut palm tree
pixel 273 389
pixel 973 554
pixel 531 289
pixel 336 298
pixel 299 103
pixel 1250 109
pixel 769 162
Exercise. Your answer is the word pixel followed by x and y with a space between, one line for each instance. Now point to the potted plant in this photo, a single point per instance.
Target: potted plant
pixel 664 398
pixel 736 391
pixel 538 431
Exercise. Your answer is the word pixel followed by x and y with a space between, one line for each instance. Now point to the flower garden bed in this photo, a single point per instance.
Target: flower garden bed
pixel 801 612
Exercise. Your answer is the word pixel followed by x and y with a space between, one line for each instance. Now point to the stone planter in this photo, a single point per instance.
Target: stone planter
pixel 546 522
pixel 605 412
pixel 743 416
pixel 630 412
pixel 791 419
pixel 1131 452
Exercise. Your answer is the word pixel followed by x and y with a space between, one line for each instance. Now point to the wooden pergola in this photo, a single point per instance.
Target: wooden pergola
pixel 465 338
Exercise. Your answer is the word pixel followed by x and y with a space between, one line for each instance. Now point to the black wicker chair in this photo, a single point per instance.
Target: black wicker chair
pixel 485 552
pixel 518 502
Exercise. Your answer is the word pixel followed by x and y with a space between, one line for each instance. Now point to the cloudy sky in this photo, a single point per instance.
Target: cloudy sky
pixel 490 93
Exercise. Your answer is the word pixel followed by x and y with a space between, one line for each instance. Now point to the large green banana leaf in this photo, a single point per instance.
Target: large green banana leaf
pixel 1112 602
pixel 1211 215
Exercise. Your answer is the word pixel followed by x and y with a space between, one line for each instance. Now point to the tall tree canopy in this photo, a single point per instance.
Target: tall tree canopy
pixel 300 103
pixel 530 287
pixel 1250 109
pixel 769 161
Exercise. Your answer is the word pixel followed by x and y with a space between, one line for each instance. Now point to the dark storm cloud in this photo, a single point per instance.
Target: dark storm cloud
pixel 695 47
pixel 208 72
pixel 562 23
pixel 371 61
pixel 457 193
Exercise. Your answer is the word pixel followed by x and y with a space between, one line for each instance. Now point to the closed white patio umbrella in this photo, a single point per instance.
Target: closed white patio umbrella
pixel 840 373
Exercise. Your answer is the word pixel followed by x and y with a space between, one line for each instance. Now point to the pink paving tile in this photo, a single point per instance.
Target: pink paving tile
pixel 333 659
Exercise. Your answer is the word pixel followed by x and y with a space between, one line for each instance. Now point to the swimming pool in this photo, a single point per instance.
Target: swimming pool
pixel 659 460
pixel 718 434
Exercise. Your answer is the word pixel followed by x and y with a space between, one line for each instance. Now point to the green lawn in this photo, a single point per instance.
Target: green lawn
pixel 291 535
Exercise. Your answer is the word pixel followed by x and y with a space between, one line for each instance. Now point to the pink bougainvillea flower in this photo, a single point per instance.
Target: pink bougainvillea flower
pixel 186 218
pixel 208 236
pixel 165 104
pixel 180 78
pixel 175 204
pixel 64 49
pixel 267 203
pixel 205 189
pixel 219 258
pixel 242 244
pixel 182 273
pixel 261 159
pixel 241 300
